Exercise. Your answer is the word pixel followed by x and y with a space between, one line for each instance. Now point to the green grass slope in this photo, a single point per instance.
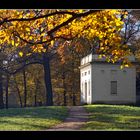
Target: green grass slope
pixel 113 117
pixel 39 118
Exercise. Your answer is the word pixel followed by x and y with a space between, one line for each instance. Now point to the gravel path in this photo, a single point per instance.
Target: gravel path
pixel 77 117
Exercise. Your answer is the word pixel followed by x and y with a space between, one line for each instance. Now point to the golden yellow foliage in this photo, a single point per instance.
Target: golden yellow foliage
pixel 104 25
pixel 21 54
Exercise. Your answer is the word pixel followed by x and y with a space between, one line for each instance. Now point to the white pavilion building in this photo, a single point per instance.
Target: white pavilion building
pixel 103 82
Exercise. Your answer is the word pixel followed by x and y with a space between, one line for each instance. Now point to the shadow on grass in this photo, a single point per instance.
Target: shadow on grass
pixel 109 117
pixel 39 118
pixel 41 112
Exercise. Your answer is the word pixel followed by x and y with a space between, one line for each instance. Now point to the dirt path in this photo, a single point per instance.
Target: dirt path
pixel 77 117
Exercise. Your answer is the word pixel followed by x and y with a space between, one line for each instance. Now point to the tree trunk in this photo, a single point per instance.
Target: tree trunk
pixel 18 91
pixel 58 99
pixel 1 92
pixel 74 99
pixel 73 86
pixel 6 88
pixel 35 95
pixel 65 98
pixel 35 100
pixel 25 88
pixel 37 85
pixel 73 94
pixel 64 87
pixel 47 79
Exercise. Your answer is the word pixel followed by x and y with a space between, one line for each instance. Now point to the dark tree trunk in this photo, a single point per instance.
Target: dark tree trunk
pixel 64 87
pixel 73 86
pixel 18 91
pixel 36 91
pixel 65 98
pixel 7 86
pixel 73 94
pixel 47 78
pixel 35 95
pixel 1 93
pixel 35 100
pixel 58 99
pixel 74 99
pixel 25 88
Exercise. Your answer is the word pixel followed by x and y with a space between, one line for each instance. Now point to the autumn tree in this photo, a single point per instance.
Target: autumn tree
pixel 41 30
pixel 6 54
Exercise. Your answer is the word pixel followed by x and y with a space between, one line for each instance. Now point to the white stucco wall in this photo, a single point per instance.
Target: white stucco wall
pixel 86 78
pixel 100 77
pixel 126 84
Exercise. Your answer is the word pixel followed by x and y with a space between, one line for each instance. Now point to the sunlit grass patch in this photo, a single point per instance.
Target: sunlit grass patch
pixel 113 117
pixel 39 118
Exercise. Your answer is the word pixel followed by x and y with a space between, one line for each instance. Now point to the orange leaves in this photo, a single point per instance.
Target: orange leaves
pixel 104 25
pixel 61 53
pixel 78 47
pixel 115 52
pixel 38 48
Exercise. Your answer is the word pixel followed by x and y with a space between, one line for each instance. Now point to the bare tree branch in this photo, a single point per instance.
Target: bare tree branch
pixel 19 69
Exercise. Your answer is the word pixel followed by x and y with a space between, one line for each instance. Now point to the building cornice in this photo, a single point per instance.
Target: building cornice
pixel 105 62
pixel 85 65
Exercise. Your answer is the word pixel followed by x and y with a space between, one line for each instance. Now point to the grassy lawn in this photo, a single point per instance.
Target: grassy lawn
pixel 39 118
pixel 113 117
